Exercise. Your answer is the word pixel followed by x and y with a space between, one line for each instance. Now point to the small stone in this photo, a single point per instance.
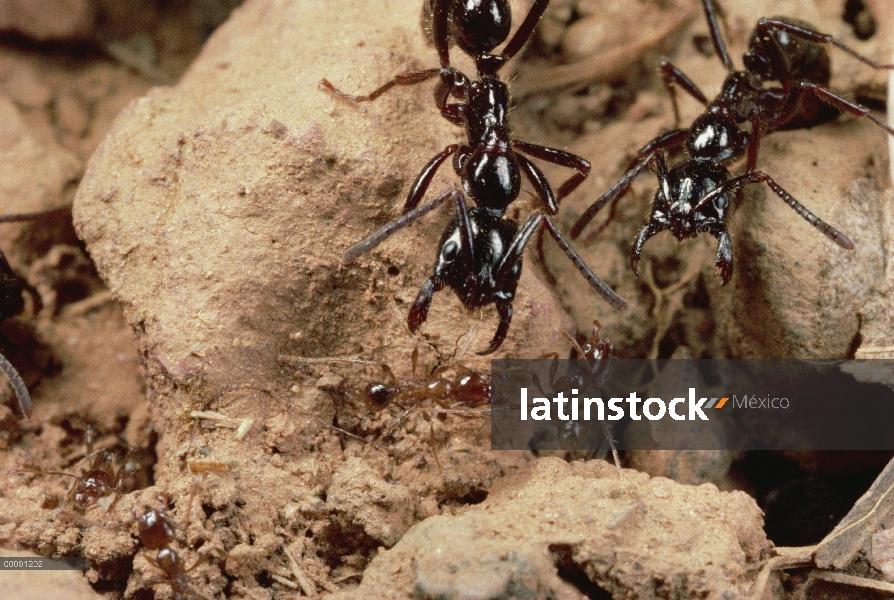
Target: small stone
pixel 26 88
pixel 71 115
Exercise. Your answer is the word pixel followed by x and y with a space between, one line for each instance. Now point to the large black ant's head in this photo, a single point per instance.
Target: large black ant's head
pixel 480 260
pixel 471 262
pixel 678 205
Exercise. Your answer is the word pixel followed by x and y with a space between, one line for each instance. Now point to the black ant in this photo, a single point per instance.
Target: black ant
pixel 694 196
pixel 96 482
pixel 11 304
pixel 596 353
pixel 480 252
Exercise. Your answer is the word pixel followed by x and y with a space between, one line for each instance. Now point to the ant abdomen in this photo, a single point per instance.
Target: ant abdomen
pixel 805 60
pixel 479 26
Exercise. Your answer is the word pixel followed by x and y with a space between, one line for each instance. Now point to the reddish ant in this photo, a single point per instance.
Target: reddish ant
pixel 99 480
pixel 156 530
pixel 467 389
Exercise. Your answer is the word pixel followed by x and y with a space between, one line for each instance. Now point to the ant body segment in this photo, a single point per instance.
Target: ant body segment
pixel 480 252
pixel 783 86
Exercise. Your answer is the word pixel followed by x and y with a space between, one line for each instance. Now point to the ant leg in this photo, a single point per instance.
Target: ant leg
pixel 754 140
pixel 387 231
pixel 764 26
pixel 440 33
pixel 419 311
pixel 553 369
pixel 612 213
pixel 456 84
pixel 711 14
pixel 39 472
pixel 671 75
pixel 761 177
pixel 665 141
pixel 644 234
pixel 724 258
pixel 541 185
pixel 561 158
pixel 402 79
pixel 525 30
pixel 15 218
pixel 603 290
pixel 466 237
pixel 643 159
pixel 607 431
pixel 18 386
pixel 829 97
pixel 423 180
pixel 431 441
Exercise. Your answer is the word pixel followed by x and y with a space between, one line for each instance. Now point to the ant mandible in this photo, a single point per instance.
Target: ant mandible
pixel 696 195
pixel 480 252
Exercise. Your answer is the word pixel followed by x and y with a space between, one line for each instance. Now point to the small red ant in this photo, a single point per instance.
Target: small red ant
pixel 467 389
pixel 156 530
pixel 96 482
